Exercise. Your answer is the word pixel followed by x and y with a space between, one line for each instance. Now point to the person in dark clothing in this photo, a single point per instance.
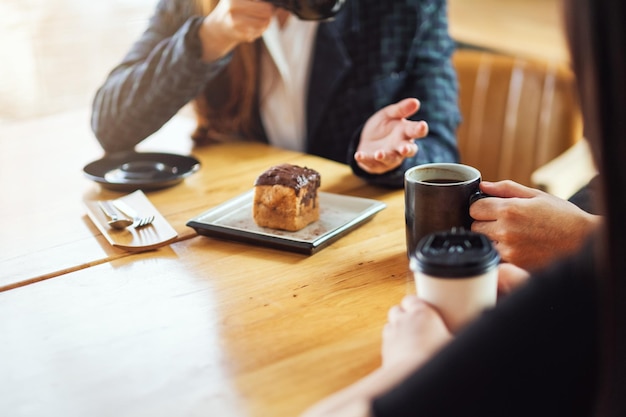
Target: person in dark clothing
pixel 584 197
pixel 556 344
pixel 346 89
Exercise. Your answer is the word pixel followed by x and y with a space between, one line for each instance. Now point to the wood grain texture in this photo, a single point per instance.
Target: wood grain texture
pixel 202 327
pixel 46 230
pixel 207 326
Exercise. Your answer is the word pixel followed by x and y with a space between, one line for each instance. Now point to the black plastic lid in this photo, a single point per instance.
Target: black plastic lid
pixel 455 253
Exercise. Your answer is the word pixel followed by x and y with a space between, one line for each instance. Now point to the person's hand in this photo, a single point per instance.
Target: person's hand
pixel 530 228
pixel 510 277
pixel 233 22
pixel 413 333
pixel 388 137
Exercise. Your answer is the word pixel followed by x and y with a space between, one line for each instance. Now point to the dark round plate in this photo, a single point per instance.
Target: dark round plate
pixel 129 171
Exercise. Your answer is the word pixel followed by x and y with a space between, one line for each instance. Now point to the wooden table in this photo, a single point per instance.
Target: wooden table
pixel 526 28
pixel 202 326
pixel 45 229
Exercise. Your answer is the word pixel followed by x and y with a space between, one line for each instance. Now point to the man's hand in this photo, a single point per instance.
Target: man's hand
pixel 530 228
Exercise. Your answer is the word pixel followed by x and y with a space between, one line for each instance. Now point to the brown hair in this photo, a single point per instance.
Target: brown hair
pixel 228 111
pixel 597 34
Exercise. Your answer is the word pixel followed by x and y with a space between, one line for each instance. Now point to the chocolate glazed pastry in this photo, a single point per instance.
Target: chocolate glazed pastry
pixel 285 197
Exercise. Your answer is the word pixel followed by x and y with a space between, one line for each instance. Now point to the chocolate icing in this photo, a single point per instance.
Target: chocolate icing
pixel 292 176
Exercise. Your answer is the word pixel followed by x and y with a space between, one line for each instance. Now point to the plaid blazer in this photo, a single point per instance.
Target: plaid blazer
pixel 373 53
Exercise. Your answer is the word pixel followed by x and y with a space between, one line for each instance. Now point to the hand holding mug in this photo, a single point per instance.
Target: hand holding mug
pixel 233 22
pixel 530 228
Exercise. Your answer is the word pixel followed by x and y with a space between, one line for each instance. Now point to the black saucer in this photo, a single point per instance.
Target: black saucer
pixel 129 171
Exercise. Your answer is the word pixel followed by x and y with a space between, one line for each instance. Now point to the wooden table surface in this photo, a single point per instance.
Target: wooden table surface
pixel 45 229
pixel 203 326
pixel 199 327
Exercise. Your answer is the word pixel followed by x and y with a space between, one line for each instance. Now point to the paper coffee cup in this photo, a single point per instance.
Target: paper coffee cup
pixel 456 272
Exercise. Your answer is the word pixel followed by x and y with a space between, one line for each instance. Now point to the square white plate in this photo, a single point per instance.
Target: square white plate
pixel 339 214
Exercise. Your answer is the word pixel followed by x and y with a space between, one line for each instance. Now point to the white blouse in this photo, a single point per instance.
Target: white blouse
pixel 285 69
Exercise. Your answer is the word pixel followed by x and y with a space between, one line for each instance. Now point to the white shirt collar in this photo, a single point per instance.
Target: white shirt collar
pixel 285 68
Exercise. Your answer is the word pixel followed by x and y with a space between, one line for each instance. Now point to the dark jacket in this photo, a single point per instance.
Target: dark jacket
pixel 372 54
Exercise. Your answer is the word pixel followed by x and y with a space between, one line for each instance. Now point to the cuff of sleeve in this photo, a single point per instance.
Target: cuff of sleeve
pixel 390 179
pixel 193 47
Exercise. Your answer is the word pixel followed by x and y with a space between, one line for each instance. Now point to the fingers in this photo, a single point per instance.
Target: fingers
pixel 404 150
pixel 488 209
pixel 372 166
pixel 381 161
pixel 245 20
pixel 510 277
pixel 408 150
pixel 402 109
pixel 485 209
pixel 394 312
pixel 506 198
pixel 507 189
pixel 388 137
pixel 415 130
pixel 486 227
pixel 410 303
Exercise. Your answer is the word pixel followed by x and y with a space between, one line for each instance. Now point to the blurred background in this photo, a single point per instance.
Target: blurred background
pixel 55 53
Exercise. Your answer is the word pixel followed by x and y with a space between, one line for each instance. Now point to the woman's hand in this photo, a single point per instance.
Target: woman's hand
pixel 510 277
pixel 413 333
pixel 388 137
pixel 233 22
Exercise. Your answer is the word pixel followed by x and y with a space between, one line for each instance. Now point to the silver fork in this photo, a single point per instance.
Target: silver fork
pixel 138 220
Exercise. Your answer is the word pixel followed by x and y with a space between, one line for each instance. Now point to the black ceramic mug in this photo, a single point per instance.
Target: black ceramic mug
pixel 310 9
pixel 437 198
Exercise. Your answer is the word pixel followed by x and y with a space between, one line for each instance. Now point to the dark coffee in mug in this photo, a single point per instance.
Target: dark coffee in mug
pixel 441 181
pixel 437 198
pixel 310 9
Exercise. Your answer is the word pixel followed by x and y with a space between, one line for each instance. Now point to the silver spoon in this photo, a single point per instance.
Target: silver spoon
pixel 115 221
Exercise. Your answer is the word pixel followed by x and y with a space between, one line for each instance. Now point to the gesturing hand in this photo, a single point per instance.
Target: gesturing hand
pixel 388 137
